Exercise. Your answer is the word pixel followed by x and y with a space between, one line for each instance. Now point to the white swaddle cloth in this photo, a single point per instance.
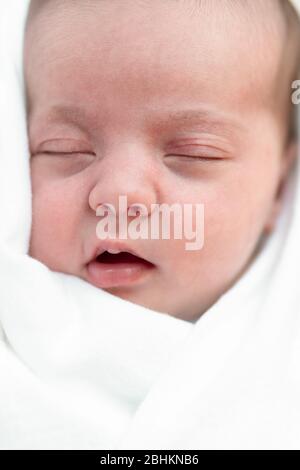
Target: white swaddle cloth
pixel 82 369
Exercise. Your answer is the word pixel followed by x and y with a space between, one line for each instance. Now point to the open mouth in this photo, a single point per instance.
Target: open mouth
pixel 122 257
pixel 117 269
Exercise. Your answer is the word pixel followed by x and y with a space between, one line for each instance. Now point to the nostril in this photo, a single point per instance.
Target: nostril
pixel 135 210
pixel 104 209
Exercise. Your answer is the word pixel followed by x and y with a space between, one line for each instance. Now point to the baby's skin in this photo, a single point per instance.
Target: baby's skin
pixel 163 102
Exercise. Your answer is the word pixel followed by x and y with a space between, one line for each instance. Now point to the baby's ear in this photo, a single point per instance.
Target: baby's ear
pixel 288 158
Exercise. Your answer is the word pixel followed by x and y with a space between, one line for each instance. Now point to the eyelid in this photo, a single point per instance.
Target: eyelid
pixel 47 152
pixel 51 152
pixel 199 157
pixel 195 157
pixel 199 148
pixel 70 146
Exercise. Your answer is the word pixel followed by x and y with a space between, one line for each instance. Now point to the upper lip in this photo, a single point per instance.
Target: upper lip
pixel 105 245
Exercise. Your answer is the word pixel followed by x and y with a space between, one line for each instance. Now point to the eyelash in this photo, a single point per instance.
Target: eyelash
pixel 195 157
pixel 63 153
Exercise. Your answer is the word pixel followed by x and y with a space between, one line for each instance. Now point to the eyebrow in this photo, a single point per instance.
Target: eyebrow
pixel 208 119
pixel 73 114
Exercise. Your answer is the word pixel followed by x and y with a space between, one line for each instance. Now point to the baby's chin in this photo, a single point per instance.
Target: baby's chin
pixel 129 278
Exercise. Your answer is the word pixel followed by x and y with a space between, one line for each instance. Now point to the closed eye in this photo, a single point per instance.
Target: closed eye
pixel 195 157
pixel 63 153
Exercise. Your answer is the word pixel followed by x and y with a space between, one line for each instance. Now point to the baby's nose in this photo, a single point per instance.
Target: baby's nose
pixel 129 190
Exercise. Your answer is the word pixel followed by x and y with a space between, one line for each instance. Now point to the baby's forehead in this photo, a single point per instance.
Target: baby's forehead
pixel 206 34
pixel 258 19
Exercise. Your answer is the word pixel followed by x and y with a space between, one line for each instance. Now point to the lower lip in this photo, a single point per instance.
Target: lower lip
pixel 106 275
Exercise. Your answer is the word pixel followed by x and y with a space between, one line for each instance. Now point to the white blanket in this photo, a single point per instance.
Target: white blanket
pixel 82 369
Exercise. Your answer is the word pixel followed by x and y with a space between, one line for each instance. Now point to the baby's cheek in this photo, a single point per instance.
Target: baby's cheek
pixel 233 228
pixel 227 244
pixel 53 225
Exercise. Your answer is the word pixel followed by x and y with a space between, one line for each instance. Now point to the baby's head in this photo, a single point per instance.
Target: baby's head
pixel 162 101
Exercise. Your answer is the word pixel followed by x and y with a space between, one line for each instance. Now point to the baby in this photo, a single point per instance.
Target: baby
pixel 164 102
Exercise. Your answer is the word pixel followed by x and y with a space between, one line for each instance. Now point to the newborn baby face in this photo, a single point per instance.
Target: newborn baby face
pixel 163 102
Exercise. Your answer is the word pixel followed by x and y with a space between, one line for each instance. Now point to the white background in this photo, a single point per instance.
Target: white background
pixel 297 3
